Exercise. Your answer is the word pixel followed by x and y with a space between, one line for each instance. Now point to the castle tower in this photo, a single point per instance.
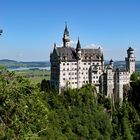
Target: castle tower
pixel 78 49
pixel 111 63
pixel 110 81
pixel 130 60
pixel 78 53
pixel 66 38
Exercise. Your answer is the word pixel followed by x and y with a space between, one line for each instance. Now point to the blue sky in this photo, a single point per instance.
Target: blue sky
pixel 31 27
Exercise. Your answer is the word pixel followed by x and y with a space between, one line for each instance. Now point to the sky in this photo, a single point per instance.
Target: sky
pixel 31 27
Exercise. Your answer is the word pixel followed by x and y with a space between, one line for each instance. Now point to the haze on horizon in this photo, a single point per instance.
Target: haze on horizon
pixel 30 28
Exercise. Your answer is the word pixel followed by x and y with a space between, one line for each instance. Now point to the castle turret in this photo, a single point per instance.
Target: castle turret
pixel 111 63
pixel 78 53
pixel 78 49
pixel 130 60
pixel 66 38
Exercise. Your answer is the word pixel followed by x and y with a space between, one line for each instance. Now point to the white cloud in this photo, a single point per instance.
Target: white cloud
pixel 73 44
pixel 92 45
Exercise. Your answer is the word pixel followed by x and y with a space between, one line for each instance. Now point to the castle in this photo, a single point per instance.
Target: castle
pixel 75 67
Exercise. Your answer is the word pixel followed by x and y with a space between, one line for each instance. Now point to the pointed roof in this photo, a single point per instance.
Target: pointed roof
pixel 78 47
pixel 66 32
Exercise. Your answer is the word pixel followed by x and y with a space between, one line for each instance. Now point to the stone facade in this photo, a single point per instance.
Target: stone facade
pixel 113 79
pixel 75 67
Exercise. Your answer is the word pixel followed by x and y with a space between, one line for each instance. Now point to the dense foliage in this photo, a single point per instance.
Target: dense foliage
pixel 23 111
pixel 38 112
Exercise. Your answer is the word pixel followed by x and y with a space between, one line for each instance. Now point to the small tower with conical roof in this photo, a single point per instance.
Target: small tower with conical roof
pixel 78 53
pixel 111 63
pixel 130 60
pixel 78 49
pixel 66 38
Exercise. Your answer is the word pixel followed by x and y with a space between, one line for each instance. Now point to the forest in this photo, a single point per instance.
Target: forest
pixel 36 111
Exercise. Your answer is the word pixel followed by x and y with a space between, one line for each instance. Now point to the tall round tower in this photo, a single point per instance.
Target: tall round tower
pixel 130 60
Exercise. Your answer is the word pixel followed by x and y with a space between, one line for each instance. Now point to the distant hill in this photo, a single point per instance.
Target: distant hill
pixel 15 64
pixel 121 64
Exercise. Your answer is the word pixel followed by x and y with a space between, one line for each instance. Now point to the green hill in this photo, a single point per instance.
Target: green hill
pixel 15 64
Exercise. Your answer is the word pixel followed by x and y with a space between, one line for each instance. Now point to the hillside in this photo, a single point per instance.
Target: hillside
pixel 15 64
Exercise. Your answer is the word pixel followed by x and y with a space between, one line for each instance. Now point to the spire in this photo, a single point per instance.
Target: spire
pixel 66 38
pixel 78 47
pixel 66 32
pixel 54 45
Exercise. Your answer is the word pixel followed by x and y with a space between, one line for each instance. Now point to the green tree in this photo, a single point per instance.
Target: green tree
pixel 23 112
